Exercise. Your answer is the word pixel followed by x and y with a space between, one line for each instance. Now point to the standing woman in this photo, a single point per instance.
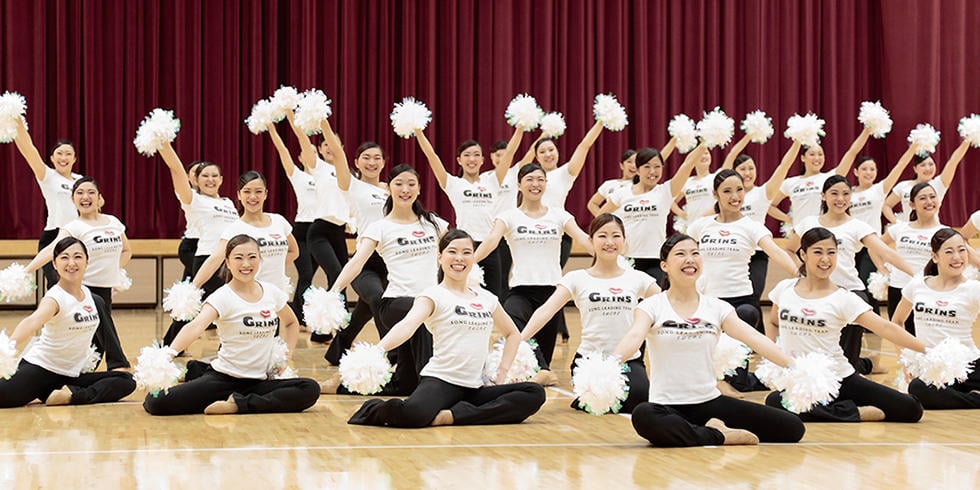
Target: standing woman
pixel 451 390
pixel 946 305
pixel 187 248
pixel 697 191
pixel 924 168
pixel 606 294
pixel 627 165
pixel 681 327
pixel 249 313
pixel 67 317
pixel 55 187
pixel 808 314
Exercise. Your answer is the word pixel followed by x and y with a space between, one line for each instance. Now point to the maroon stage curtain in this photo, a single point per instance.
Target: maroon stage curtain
pixel 92 70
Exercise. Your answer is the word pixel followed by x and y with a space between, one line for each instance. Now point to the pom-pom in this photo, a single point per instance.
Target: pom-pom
pixel 524 112
pixel 325 311
pixel 758 127
pixel 553 125
pixel 155 369
pixel 925 138
pixel 409 115
pixel 785 229
pixel 680 224
pixel 610 112
pixel 600 383
pixel 278 366
pixel 716 129
pixel 313 106
pixel 901 381
pixel 263 114
pixel 93 359
pixel 809 381
pixel 971 273
pixel 125 282
pixel 522 369
pixel 730 355
pixel 183 300
pixel 946 363
pixel 159 127
pixel 683 129
pixel 878 286
pixel 8 356
pixel 13 107
pixel 284 100
pixel 15 283
pixel 475 278
pixel 876 118
pixel 969 129
pixel 364 369
pixel 806 129
pixel 772 375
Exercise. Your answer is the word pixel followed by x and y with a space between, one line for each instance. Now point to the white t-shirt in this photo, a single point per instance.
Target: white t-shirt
pixel 975 219
pixel 191 227
pixel 903 190
pixel 366 202
pixel 606 306
pixel 332 206
pixel 755 205
pixel 211 215
pixel 304 185
pixel 697 196
pixel 560 182
pixel 849 236
pixel 56 191
pixel 609 186
pixel 273 246
pixel 63 346
pixel 247 331
pixel 645 219
pixel 811 325
pixel 941 314
pixel 535 245
pixel 804 194
pixel 866 205
pixel 474 203
pixel 411 253
pixel 105 245
pixel 507 195
pixel 914 245
pixel 682 350
pixel 727 249
pixel 461 329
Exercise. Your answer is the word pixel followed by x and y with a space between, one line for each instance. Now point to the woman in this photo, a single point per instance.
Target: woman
pixel 627 166
pixel 451 390
pixel 697 191
pixel 249 313
pixel 945 304
pixel 681 327
pixel 605 294
pixel 924 168
pixel 808 314
pixel 188 241
pixel 533 231
pixel 68 317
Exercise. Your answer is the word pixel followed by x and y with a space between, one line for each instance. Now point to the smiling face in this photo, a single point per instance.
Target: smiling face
pixel 683 263
pixel 547 155
pixel 252 195
pixel 209 180
pixel 628 167
pixel 63 159
pixel 533 185
pixel 608 241
pixel 86 198
pixel 471 159
pixel 837 198
pixel 370 163
pixel 730 194
pixel 703 164
pixel 404 189
pixel 243 261
pixel 866 173
pixel 325 153
pixel 925 203
pixel 650 172
pixel 813 159
pixel 71 263
pixel 952 257
pixel 456 259
pixel 747 170
pixel 820 258
pixel 925 170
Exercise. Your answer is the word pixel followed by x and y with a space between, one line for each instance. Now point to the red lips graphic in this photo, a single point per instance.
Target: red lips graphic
pixel 693 320
pixel 476 306
pixel 861 198
pixel 481 189
pixel 809 183
pixel 724 233
pixel 923 238
pixel 419 234
pixel 540 226
pixel 940 302
pixel 644 201
pixel 265 313
pixel 808 312
pixel 275 236
pixel 615 290
pixel 87 308
pixel 109 233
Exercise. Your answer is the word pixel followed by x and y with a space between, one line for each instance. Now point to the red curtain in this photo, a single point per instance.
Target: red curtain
pixel 92 70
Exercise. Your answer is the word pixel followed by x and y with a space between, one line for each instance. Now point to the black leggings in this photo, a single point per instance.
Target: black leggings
pixel 501 404
pixel 858 391
pixel 328 247
pixel 305 268
pixel 758 270
pixel 106 338
pixel 50 275
pixel 748 310
pixel 894 297
pixel 957 396
pixel 850 338
pixel 636 379
pixel 506 261
pixel 652 268
pixel 683 425
pixel 34 382
pixel 251 395
pixel 209 287
pixel 370 284
pixel 491 271
pixel 521 303
pixel 185 252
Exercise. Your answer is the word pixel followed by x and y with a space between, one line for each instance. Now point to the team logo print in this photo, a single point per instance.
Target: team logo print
pixel 808 312
pixel 615 290
pixel 476 306
pixel 265 313
pixel 87 308
pixel 419 234
pixel 724 233
pixel 941 303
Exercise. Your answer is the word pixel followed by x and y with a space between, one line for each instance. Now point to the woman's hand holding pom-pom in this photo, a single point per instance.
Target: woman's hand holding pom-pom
pixel 600 383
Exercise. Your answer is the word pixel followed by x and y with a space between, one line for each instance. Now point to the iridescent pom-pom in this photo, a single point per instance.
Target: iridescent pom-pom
pixel 806 129
pixel 155 369
pixel 876 118
pixel 683 129
pixel 525 364
pixel 810 381
pixel 278 366
pixel 925 137
pixel 946 363
pixel 263 114
pixel 524 112
pixel 284 100
pixel 15 283
pixel 13 107
pixel 93 360
pixel 878 285
pixel 969 129
pixel 716 129
pixel 610 112
pixel 553 125
pixel 600 383
pixel 364 369
pixel 758 127
pixel 183 300
pixel 730 355
pixel 8 356
pixel 159 127
pixel 312 108
pixel 409 115
pixel 325 311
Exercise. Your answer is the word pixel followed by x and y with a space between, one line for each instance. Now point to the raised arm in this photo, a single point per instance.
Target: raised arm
pixel 735 151
pixel 668 149
pixel 422 308
pixel 779 175
pixel 284 157
pixel 679 178
pixel 46 310
pixel 892 178
pixel 435 163
pixel 178 176
pixel 949 170
pixel 969 230
pixel 543 314
pixel 851 154
pixel 577 161
pixel 339 156
pixel 529 155
pixel 490 243
pixel 26 147
pixel 508 157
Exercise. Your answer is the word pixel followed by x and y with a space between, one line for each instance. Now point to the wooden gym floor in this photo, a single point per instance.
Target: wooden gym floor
pixel 120 446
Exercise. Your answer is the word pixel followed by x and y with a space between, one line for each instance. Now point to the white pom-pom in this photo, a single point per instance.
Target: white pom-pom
pixel 325 311
pixel 772 375
pixel 155 369
pixel 946 363
pixel 683 129
pixel 263 114
pixel 278 364
pixel 364 369
pixel 93 359
pixel 680 224
pixel 806 129
pixel 785 229
pixel 878 285
pixel 610 112
pixel 409 115
pixel 809 381
pixel 159 127
pixel 475 278
pixel 971 273
pixel 758 127
pixel 876 118
pixel 183 300
pixel 553 125
pixel 523 111
pixel 925 137
pixel 901 381
pixel 969 129
pixel 313 106
pixel 15 283
pixel 8 356
pixel 600 383
pixel 13 107
pixel 730 355
pixel 716 129
pixel 284 100
pixel 522 369
pixel 125 282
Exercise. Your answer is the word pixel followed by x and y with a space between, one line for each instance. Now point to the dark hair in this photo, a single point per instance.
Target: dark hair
pixel 603 220
pixel 862 159
pixel 249 176
pixel 665 249
pixel 740 159
pixel 941 236
pixel 205 164
pixel 643 157
pixel 463 147
pixel 803 150
pixel 827 184
pixel 447 238
pixel 720 177
pixel 417 207
pixel 83 180
pixel 541 141
pixel 62 142
pixel 235 241
pixel 363 147
pixel 919 158
pixel 813 235
pixel 499 145
pixel 66 242
pixel 916 189
pixel 626 155
pixel 524 170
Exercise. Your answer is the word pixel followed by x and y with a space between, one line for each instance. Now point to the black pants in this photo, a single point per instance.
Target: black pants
pixel 305 268
pixel 209 287
pixel 106 338
pixel 748 310
pixel 758 270
pixel 521 303
pixel 251 395
pixel 370 284
pixel 652 268
pixel 34 382
pixel 636 379
pixel 957 396
pixel 858 391
pixel 683 425
pixel 894 297
pixel 185 252
pixel 850 339
pixel 501 404
pixel 50 275
pixel 491 271
pixel 506 262
pixel 328 248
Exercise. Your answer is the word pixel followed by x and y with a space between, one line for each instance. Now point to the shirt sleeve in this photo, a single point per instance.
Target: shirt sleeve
pixel 374 231
pixel 218 301
pixel 568 281
pixel 851 307
pixel 778 290
pixel 908 292
pixel 757 231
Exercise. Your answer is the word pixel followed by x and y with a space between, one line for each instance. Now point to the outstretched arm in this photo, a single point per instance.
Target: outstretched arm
pixel 743 332
pixel 504 164
pixel 684 171
pixel 779 175
pixel 889 182
pixel 577 161
pixel 26 147
pixel 543 314
pixel 339 156
pixel 845 163
pixel 735 151
pixel 284 157
pixel 178 176
pixel 949 170
pixel 438 169
pixel 422 308
pixel 46 310
pixel 195 328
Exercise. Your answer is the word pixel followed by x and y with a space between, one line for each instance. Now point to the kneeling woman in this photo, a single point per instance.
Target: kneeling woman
pixel 67 317
pixel 248 314
pixel 451 390
pixel 808 314
pixel 685 407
